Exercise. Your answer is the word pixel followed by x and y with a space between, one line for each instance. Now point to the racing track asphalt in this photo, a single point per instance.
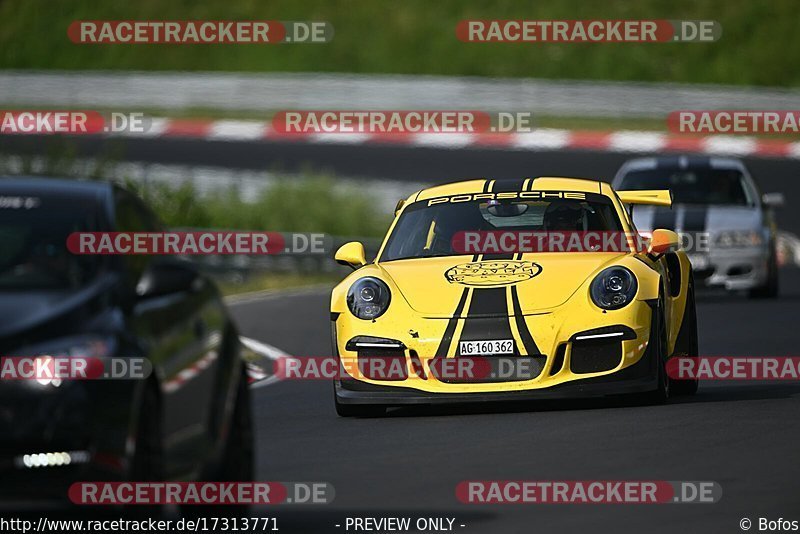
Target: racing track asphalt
pixel 742 435
pixel 396 162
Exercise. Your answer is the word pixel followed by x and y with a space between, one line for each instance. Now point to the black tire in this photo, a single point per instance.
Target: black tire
pixel 148 457
pixel 238 457
pixel 771 287
pixel 658 335
pixel 237 463
pixel 358 410
pixel 687 345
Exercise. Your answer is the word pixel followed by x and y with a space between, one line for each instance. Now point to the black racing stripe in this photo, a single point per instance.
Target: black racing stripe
pixel 492 257
pixel 505 186
pixel 678 162
pixel 444 344
pixel 695 219
pixel 530 184
pixel 696 162
pixel 527 339
pixel 486 185
pixel 487 317
pixel 664 218
pixel 488 301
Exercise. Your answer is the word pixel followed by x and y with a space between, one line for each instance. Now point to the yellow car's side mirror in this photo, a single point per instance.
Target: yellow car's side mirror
pixel 664 241
pixel 351 254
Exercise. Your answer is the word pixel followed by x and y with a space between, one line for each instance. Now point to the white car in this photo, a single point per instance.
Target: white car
pixel 726 225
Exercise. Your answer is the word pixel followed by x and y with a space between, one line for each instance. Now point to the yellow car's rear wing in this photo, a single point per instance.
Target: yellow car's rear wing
pixel 655 197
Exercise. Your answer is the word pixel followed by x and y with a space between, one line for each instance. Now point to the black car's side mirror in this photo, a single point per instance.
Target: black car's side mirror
pixel 164 278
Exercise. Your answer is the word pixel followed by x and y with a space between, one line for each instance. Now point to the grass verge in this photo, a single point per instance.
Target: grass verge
pixel 758 44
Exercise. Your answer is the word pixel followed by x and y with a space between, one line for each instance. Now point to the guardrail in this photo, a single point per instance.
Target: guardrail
pixel 275 91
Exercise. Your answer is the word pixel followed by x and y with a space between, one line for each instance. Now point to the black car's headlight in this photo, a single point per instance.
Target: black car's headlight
pixel 89 347
pixel 614 288
pixel 368 298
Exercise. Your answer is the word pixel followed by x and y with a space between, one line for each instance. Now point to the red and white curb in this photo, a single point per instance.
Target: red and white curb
pixel 187 374
pixel 538 139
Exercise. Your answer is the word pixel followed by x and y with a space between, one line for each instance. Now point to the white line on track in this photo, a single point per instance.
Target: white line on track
pixel 259 347
pixel 267 351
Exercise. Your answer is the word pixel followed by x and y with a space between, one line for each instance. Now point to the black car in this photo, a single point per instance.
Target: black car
pixel 172 425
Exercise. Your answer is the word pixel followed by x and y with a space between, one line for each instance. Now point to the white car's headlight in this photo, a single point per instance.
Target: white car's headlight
pixel 368 298
pixel 739 239
pixel 613 288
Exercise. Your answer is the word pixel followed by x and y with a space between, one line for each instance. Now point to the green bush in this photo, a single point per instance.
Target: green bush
pixel 291 205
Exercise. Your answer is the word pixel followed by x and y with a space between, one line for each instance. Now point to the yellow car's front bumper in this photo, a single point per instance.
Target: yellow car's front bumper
pixel 575 356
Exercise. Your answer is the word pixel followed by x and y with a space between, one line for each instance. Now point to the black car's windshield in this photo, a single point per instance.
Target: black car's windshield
pixel 34 254
pixel 693 186
pixel 428 230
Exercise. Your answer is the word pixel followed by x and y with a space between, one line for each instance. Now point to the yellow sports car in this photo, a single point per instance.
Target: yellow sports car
pixel 478 294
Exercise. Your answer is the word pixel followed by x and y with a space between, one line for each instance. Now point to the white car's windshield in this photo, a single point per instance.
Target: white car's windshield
pixel 693 186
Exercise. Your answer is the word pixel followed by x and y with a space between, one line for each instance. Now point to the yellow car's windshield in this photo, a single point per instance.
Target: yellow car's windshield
pixel 425 230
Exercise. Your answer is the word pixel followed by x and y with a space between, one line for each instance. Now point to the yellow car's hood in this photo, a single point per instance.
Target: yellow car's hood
pixel 434 286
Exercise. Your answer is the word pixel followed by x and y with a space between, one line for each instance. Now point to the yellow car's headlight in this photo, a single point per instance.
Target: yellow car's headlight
pixel 368 298
pixel 613 288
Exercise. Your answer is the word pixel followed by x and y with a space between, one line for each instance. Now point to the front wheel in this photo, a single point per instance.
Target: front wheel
pixel 770 288
pixel 658 345
pixel 238 460
pixel 238 457
pixel 686 346
pixel 147 464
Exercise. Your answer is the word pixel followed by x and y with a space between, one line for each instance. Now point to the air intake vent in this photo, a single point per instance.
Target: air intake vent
pixel 594 356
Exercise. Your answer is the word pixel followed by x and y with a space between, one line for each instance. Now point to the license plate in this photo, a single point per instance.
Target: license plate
pixel 486 348
pixel 698 262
